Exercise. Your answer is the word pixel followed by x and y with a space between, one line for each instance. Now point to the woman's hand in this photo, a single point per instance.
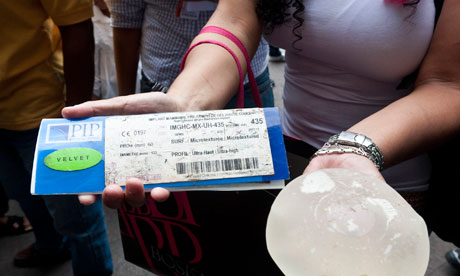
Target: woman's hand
pixel 350 161
pixel 113 196
pixel 197 87
pixel 153 102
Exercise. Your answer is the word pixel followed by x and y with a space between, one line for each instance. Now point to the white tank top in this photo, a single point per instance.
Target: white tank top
pixel 353 54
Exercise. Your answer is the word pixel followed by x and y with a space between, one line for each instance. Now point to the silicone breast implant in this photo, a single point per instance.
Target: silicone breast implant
pixel 340 222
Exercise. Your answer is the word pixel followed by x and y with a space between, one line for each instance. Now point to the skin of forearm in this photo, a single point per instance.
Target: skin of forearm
pixel 414 124
pixel 210 76
pixel 209 79
pixel 126 47
pixel 78 51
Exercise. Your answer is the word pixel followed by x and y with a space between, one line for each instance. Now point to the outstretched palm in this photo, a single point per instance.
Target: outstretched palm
pixel 113 196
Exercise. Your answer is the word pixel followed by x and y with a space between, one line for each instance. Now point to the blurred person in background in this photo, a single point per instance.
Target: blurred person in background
pixel 45 39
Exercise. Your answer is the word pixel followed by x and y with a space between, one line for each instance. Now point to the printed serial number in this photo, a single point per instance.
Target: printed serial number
pixel 196 126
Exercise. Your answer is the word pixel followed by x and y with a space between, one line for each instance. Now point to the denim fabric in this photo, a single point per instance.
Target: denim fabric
pixel 16 154
pixel 86 230
pixel 55 219
pixel 265 90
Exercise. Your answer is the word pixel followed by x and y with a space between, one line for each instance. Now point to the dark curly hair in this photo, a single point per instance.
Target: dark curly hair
pixel 276 12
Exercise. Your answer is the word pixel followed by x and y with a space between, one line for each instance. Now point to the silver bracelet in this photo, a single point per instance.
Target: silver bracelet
pixel 350 142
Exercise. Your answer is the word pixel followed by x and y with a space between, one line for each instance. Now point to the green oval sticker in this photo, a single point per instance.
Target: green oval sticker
pixel 73 159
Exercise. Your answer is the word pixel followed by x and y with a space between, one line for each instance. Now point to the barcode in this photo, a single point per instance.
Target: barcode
pixel 217 165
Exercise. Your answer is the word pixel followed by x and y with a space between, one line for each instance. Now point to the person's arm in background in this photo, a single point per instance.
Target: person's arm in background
pixel 102 5
pixel 78 51
pixel 127 20
pixel 198 87
pixel 74 21
pixel 423 119
pixel 126 42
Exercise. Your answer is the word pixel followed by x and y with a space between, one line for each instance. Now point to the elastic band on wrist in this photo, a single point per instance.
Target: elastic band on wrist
pixel 240 99
pixel 234 39
pixel 252 82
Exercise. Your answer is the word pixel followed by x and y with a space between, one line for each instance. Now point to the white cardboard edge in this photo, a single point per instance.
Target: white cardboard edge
pixel 273 184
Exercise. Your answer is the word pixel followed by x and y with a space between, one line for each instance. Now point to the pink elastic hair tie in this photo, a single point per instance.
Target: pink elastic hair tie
pixel 234 39
pixel 252 82
pixel 240 99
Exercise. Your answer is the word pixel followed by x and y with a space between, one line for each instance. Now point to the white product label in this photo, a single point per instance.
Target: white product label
pixel 189 146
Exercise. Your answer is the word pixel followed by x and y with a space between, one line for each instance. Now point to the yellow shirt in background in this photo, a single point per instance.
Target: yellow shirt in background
pixel 31 66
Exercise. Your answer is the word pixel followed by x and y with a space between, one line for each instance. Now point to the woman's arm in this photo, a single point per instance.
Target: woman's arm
pixel 210 76
pixel 424 118
pixel 209 79
pixel 126 43
pixel 210 71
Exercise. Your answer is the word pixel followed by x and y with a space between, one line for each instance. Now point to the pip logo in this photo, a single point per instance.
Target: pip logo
pixel 74 132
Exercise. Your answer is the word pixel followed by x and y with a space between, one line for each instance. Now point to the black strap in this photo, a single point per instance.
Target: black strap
pixel 438 6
